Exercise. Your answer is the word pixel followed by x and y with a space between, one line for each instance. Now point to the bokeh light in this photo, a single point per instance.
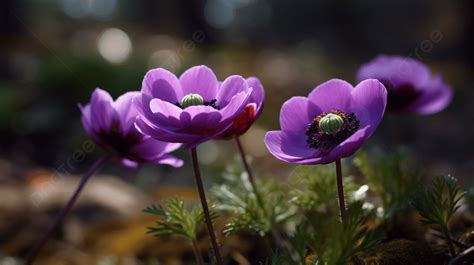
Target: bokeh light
pixel 114 45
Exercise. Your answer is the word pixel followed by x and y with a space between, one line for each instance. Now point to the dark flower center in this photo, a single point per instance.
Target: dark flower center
pixel 324 139
pixel 400 98
pixel 114 139
pixel 196 100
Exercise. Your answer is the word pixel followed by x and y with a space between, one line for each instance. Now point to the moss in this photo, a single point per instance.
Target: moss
pixel 405 252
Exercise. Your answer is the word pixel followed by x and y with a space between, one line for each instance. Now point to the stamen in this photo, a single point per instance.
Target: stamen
pixel 192 100
pixel 196 100
pixel 330 129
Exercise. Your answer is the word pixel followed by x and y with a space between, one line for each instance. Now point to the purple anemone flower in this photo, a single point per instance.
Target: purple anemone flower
pixel 252 111
pixel 192 109
pixel 410 84
pixel 111 125
pixel 331 123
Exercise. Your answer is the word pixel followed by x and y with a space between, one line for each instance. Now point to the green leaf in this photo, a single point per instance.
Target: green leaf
pixel 438 203
pixel 237 197
pixel 335 243
pixel 177 220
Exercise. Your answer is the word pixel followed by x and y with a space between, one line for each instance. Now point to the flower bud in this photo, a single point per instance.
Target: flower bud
pixel 192 100
pixel 331 123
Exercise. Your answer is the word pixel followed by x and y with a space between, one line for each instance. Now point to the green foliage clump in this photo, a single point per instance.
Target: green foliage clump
pixel 177 219
pixel 319 236
pixel 315 188
pixel 391 178
pixel 237 197
pixel 438 203
pixel 337 243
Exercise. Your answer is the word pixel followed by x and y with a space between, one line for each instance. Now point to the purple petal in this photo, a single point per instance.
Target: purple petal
pixel 199 80
pixel 169 160
pixel 162 84
pixel 162 113
pixel 235 106
pixel 149 149
pixel 333 94
pixel 129 163
pixel 295 144
pixel 229 88
pixel 395 70
pixel 86 117
pixel 437 95
pixel 369 99
pixel 163 134
pixel 258 93
pixel 273 141
pixel 86 122
pixel 170 147
pixel 126 110
pixel 288 146
pixel 350 145
pixel 165 108
pixel 296 113
pixel 200 119
pixel 102 112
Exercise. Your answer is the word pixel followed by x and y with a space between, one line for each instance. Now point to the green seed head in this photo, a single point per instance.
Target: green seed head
pixel 331 123
pixel 192 100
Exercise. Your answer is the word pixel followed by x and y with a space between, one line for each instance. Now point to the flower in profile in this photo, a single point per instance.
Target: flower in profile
pixel 111 125
pixel 411 86
pixel 331 123
pixel 192 109
pixel 251 112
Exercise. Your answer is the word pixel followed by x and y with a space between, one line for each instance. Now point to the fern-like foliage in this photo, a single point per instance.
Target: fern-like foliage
pixel 438 203
pixel 391 178
pixel 335 243
pixel 176 219
pixel 318 231
pixel 237 197
pixel 315 188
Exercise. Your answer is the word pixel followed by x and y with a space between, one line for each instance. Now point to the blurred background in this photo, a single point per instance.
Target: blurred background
pixel 54 53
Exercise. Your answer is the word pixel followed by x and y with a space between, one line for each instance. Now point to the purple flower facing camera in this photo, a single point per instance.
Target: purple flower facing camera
pixel 331 123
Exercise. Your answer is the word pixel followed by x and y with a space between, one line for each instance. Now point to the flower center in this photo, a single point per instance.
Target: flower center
pixel 192 99
pixel 331 123
pixel 400 98
pixel 327 130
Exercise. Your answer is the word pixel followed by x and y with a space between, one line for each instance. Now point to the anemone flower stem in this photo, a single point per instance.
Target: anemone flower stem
pixel 340 191
pixel 449 242
pixel 250 175
pixel 197 253
pixel 66 209
pixel 205 207
pixel 276 235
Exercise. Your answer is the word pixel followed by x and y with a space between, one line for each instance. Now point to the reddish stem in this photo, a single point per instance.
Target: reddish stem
pixel 340 191
pixel 205 207
pixel 66 209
